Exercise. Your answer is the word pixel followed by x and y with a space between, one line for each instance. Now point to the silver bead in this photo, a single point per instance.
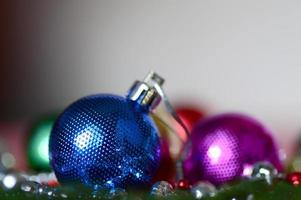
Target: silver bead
pixel 161 189
pixel 201 190
pixel 59 193
pixel 45 191
pixel 250 197
pixel 264 171
pixel 117 193
pixel 30 187
pixel 11 180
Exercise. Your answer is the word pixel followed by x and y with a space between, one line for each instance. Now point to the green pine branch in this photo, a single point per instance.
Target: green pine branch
pixel 243 190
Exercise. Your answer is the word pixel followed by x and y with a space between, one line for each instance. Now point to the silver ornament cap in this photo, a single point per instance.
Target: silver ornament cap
pixel 264 171
pixel 145 92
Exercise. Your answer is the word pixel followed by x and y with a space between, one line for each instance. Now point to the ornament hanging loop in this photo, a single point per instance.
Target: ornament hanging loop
pixel 149 92
pixel 157 83
pixel 187 144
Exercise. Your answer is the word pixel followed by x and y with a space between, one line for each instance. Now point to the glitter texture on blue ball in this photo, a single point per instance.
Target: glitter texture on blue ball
pixel 107 141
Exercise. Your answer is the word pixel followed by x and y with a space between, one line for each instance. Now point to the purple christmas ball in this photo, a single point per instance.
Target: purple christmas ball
pixel 225 147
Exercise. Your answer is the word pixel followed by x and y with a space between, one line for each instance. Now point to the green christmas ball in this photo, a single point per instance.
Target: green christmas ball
pixel 37 148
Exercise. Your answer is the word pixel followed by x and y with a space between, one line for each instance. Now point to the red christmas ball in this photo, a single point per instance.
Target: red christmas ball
pixel 190 115
pixel 167 167
pixel 183 184
pixel 53 183
pixel 294 178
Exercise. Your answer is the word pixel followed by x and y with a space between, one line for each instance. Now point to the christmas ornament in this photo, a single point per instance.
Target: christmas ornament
pixel 37 147
pixel 161 125
pixel 225 147
pixel 203 189
pixel 265 171
pixel 190 115
pixel 294 178
pixel 167 168
pixel 108 141
pixel 183 184
pixel 161 189
pixel 53 183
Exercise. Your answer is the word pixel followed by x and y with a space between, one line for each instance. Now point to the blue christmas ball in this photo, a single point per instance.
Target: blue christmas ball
pixel 104 141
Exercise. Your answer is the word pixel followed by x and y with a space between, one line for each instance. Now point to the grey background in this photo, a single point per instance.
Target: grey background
pixel 227 55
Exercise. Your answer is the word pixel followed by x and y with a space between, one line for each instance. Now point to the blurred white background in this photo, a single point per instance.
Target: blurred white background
pixel 225 55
